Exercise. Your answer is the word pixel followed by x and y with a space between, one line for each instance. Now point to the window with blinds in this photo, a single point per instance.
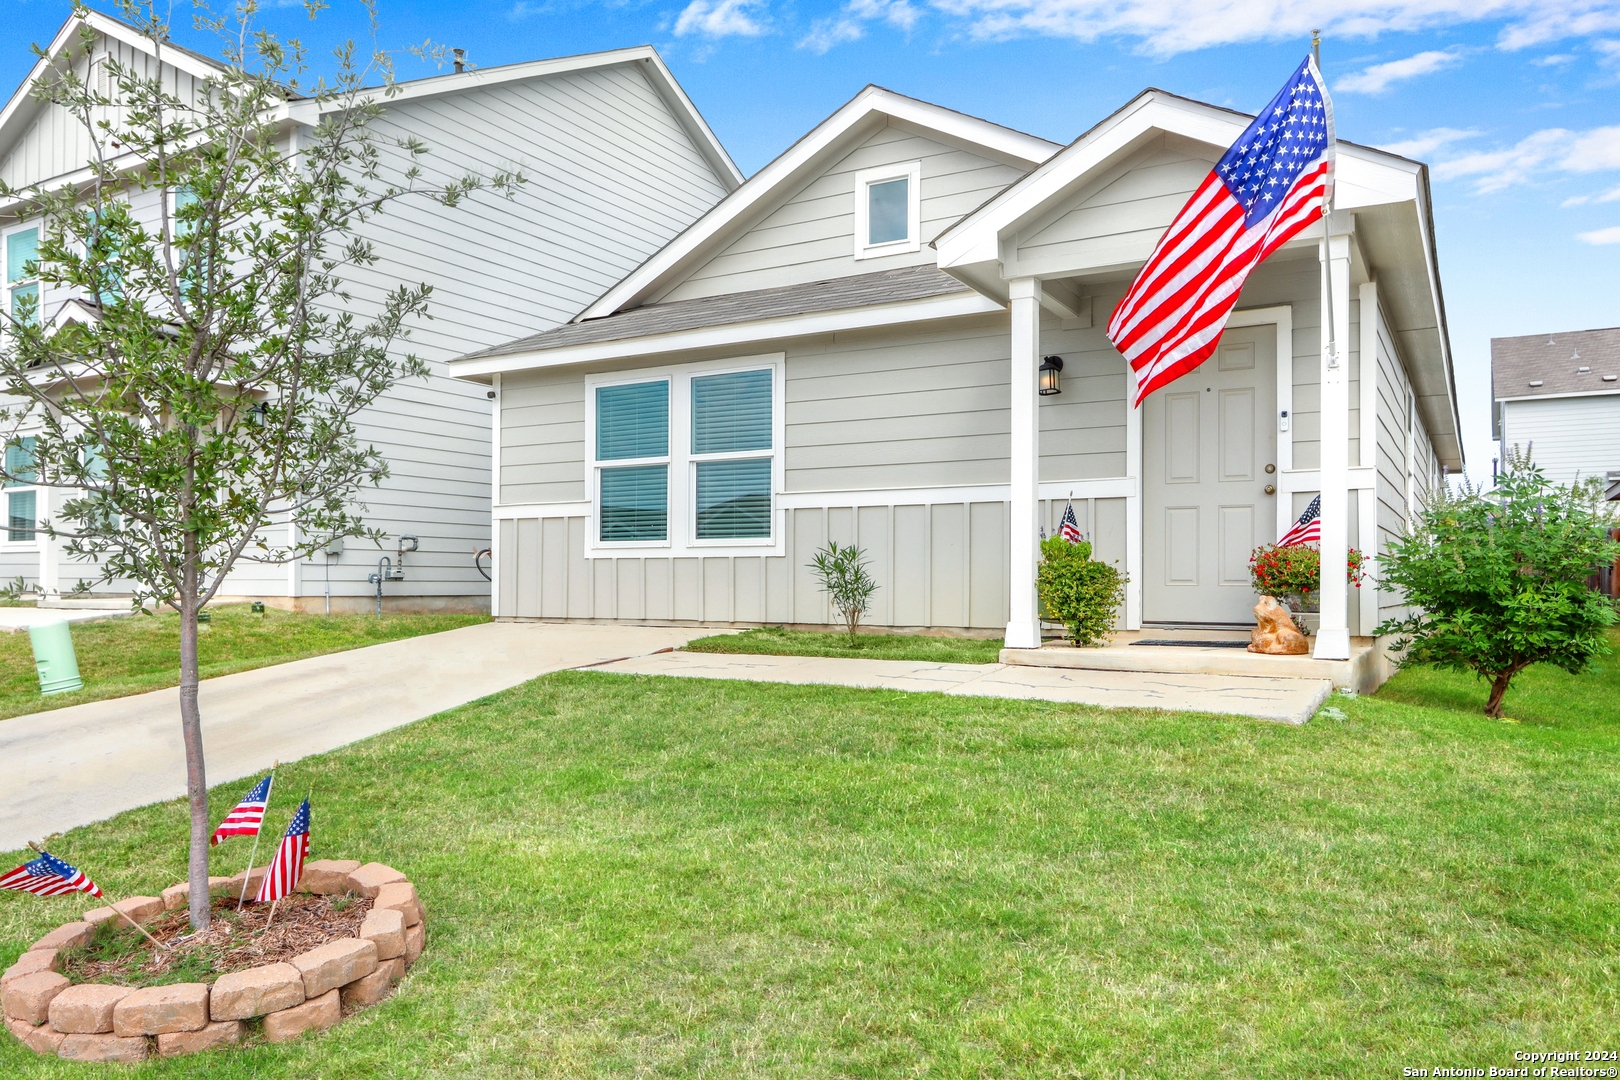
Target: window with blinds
pixel 731 415
pixel 22 287
pixel 632 424
pixel 21 505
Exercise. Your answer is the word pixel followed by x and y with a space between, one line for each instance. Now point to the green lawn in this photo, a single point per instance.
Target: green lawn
pixel 138 653
pixel 775 640
pixel 674 878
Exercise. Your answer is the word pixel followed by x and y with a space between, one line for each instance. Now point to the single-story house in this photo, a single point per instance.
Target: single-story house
pixel 848 346
pixel 1557 397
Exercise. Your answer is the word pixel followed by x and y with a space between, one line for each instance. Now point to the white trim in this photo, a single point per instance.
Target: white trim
pixel 950 306
pixel 1295 481
pixel 1024 464
pixel 1134 519
pixel 494 498
pixel 911 173
pixel 517 511
pixel 744 204
pixel 680 538
pixel 1556 397
pixel 1105 487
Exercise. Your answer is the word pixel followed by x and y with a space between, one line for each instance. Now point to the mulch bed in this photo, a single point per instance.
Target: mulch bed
pixel 232 942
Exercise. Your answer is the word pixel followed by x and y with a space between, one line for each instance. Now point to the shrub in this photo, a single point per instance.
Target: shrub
pixel 1297 570
pixel 843 577
pixel 1499 578
pixel 1078 591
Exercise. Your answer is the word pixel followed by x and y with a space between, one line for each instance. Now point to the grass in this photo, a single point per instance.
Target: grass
pixel 778 641
pixel 647 877
pixel 137 653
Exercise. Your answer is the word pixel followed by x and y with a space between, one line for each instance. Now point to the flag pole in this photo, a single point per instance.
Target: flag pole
pixel 254 854
pixel 121 914
pixel 1327 213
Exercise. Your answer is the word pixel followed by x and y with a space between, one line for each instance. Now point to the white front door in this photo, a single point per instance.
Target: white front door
pixel 1209 455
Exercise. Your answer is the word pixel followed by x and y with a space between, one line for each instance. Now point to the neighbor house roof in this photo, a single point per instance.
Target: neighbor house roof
pixel 836 294
pixel 1556 365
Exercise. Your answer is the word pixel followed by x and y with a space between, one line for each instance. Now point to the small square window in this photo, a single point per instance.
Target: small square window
pixel 888 213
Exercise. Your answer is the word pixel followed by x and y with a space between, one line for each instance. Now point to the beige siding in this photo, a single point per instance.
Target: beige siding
pixel 542 437
pixel 1398 425
pixel 1570 438
pixel 811 236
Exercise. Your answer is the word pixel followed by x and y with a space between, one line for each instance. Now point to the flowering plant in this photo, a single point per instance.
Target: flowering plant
pixel 1296 570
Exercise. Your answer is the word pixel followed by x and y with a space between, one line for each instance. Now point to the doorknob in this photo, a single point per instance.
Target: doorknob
pixel 1271 489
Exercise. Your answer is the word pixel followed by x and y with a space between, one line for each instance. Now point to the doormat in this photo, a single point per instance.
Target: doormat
pixel 1195 644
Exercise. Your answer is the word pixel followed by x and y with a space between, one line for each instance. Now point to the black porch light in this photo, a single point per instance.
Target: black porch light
pixel 1051 366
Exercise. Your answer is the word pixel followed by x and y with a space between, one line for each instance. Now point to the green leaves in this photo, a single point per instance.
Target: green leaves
pixel 844 578
pixel 1077 591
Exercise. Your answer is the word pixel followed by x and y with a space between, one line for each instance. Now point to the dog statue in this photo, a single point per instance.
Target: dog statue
pixel 1274 632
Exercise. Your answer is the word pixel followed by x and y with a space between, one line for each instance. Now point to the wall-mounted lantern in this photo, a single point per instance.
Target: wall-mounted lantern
pixel 1051 367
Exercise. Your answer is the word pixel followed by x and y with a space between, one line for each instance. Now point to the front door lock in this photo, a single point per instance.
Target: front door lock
pixel 1271 489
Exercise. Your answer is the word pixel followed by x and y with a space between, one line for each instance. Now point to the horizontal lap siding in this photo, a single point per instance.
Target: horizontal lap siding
pixel 1570 438
pixel 1083 427
pixel 811 236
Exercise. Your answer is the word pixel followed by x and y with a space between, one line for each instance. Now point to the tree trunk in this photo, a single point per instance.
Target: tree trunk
pixel 191 727
pixel 1499 689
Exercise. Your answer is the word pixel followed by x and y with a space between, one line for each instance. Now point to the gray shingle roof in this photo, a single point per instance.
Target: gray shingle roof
pixel 860 290
pixel 1573 362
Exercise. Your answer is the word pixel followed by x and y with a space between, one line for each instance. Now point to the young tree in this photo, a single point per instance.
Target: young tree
pixel 1498 578
pixel 209 389
pixel 846 581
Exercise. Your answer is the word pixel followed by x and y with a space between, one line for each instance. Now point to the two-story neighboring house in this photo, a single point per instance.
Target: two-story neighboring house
pixel 618 162
pixel 1558 397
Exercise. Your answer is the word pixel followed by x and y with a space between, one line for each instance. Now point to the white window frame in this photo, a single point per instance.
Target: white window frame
pixel 40 495
pixel 681 534
pixel 5 278
pixel 911 171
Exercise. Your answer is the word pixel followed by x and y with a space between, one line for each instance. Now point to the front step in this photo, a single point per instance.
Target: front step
pixel 1364 672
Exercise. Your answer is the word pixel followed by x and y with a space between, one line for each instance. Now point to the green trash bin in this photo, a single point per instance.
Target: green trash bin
pixel 53 656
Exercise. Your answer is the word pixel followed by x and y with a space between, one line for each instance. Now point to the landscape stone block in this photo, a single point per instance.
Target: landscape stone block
pixel 104 1048
pixel 29 997
pixel 67 936
pixel 30 962
pixel 256 991
pixel 142 909
pixel 395 969
pixel 366 880
pixel 233 885
pixel 178 896
pixel 369 990
pixel 387 929
pixel 327 967
pixel 218 1033
pixel 161 1010
pixel 415 941
pixel 401 896
pixel 86 1009
pixel 327 877
pixel 317 1014
pixel 41 1040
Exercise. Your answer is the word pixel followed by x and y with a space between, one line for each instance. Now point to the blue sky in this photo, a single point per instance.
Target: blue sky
pixel 1515 103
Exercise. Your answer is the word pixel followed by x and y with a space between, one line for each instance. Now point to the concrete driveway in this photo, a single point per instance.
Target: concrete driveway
pixel 88 762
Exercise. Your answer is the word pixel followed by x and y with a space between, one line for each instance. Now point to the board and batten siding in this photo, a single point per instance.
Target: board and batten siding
pixel 1573 438
pixel 811 236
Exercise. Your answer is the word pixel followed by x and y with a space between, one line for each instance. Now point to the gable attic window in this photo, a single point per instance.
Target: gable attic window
pixel 888 210
pixel 22 286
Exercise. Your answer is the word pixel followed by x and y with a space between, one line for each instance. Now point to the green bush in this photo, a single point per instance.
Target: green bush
pixel 1078 591
pixel 844 578
pixel 1499 579
pixel 1296 570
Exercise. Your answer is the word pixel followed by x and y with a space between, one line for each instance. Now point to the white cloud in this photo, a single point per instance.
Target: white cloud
pixel 1601 236
pixel 1612 195
pixel 1549 151
pixel 1380 77
pixel 726 18
pixel 1555 60
pixel 830 32
pixel 850 24
pixel 1421 146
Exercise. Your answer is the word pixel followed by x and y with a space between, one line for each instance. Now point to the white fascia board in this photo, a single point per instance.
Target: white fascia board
pixel 1559 397
pixel 767 183
pixel 950 306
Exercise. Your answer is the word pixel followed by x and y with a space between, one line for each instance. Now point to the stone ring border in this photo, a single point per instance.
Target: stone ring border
pixel 104 1022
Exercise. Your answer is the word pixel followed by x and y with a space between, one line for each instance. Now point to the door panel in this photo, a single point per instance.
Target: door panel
pixel 1206 441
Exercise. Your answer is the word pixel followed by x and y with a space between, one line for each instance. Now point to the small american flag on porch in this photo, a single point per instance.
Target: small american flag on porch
pixel 1307 529
pixel 248 815
pixel 281 876
pixel 48 876
pixel 1069 527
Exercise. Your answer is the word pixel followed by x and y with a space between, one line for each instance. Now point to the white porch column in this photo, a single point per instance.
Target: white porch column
pixel 1333 639
pixel 1024 629
pixel 50 553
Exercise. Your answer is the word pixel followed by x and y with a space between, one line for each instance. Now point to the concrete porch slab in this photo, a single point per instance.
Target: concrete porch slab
pixel 1365 671
pixel 1290 701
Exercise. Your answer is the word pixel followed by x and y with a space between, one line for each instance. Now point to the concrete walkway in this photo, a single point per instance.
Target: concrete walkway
pixel 81 764
pixel 17 620
pixel 1291 701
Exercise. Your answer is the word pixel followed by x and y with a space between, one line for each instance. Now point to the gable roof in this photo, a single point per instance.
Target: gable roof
pixel 1556 365
pixel 23 106
pixel 865 112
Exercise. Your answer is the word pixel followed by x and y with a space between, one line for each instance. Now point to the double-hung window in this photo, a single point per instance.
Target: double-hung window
pixel 22 504
pixel 686 459
pixel 888 210
pixel 22 285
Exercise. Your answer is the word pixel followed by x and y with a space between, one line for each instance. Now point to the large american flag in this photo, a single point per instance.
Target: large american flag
pixel 1271 184
pixel 281 876
pixel 48 876
pixel 248 815
pixel 1307 529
